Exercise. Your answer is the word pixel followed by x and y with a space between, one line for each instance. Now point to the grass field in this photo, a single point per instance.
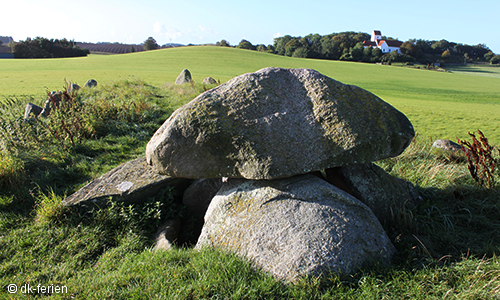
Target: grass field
pixel 448 245
pixel 440 105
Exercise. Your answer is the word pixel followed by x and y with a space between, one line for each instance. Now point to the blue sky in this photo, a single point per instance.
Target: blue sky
pixel 259 21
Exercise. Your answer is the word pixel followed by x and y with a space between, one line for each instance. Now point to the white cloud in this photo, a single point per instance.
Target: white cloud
pixel 158 27
pixel 207 30
pixel 279 34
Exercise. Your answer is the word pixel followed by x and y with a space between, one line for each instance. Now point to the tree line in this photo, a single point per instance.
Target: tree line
pixel 348 46
pixel 40 47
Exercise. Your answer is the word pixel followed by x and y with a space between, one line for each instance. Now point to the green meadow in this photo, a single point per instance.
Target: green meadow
pixel 447 246
pixel 439 104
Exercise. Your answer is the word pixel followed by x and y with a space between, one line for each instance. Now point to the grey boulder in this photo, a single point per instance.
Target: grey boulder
pixel 276 123
pixel 446 145
pixel 90 83
pixel 294 227
pixel 132 182
pixel 209 80
pixel 387 196
pixel 184 77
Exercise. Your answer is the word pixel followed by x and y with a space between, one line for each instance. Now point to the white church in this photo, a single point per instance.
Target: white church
pixel 387 46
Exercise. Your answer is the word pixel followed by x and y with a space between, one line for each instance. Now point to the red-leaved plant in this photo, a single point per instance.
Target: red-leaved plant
pixel 480 159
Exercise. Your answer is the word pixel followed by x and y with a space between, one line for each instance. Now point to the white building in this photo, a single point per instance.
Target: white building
pixel 387 46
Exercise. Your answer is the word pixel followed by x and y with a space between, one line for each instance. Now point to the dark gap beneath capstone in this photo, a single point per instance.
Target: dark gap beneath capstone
pixel 334 177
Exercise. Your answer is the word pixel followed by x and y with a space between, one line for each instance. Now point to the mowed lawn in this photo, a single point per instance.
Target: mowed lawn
pixel 439 104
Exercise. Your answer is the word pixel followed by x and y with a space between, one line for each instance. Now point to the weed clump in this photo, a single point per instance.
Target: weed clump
pixel 11 171
pixel 481 163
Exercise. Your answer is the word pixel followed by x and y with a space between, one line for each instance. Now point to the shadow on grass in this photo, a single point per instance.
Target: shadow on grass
pixel 453 223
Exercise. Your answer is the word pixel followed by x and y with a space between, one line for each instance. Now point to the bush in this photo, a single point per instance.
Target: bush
pixel 481 163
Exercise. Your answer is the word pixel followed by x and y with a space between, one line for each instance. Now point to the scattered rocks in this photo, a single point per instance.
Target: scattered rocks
pixel 55 98
pixel 277 123
pixel 184 77
pixel 295 226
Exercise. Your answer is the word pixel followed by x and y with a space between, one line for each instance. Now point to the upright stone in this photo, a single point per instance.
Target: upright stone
pixel 90 83
pixel 277 123
pixel 73 87
pixel 184 77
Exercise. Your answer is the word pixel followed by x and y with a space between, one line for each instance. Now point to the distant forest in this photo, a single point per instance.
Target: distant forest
pixel 47 48
pixel 348 46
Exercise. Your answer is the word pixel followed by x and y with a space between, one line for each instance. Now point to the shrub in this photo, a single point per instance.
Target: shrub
pixel 481 164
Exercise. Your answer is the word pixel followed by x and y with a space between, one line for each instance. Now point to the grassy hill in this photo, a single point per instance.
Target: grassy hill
pixel 439 104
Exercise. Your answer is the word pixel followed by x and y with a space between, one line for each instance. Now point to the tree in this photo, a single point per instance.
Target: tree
pixel 441 46
pixel 150 44
pixel 367 54
pixel 291 46
pixel 47 48
pixel 446 54
pixel 223 43
pixel 279 44
pixel 495 59
pixel 330 48
pixel 261 48
pixel 488 56
pixel 244 44
pixel 132 49
pixel 377 54
pixel 411 48
pixel 300 52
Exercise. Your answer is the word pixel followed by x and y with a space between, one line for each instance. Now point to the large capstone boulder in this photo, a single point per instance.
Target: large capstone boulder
pixel 277 123
pixel 184 77
pixel 294 227
pixel 132 182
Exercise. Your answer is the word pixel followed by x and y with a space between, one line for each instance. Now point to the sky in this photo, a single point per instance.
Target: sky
pixel 258 21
